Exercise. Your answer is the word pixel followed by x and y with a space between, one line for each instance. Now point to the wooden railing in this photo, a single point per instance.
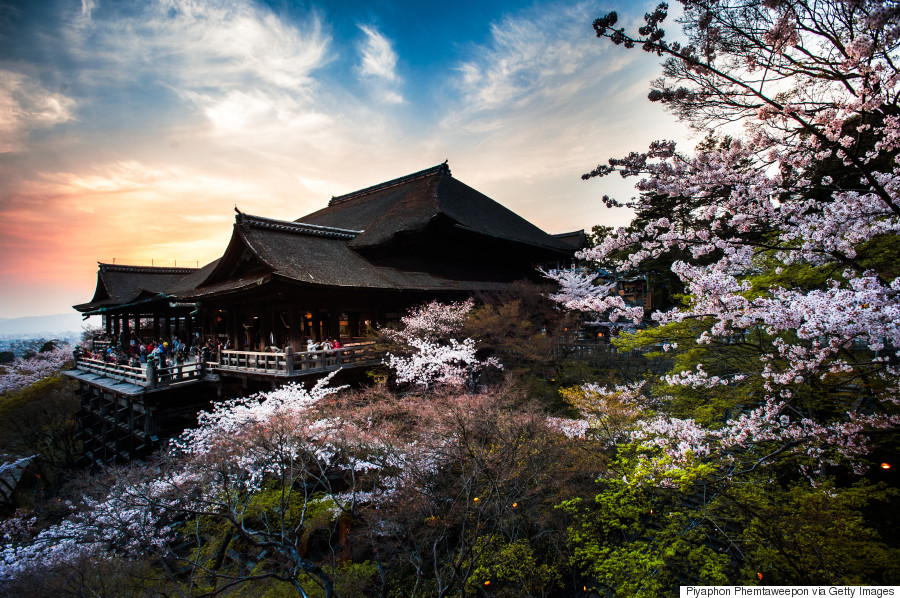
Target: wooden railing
pixel 288 363
pixel 285 363
pixel 599 350
pixel 148 375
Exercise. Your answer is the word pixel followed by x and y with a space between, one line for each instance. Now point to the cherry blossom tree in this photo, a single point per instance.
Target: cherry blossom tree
pixel 268 472
pixel 23 372
pixel 807 191
pixel 431 354
pixel 783 234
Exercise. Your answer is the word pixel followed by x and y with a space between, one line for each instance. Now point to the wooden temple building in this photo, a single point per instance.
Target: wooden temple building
pixel 339 272
pixel 362 260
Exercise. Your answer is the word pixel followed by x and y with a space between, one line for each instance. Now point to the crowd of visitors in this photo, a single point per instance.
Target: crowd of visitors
pixel 173 351
pixel 164 353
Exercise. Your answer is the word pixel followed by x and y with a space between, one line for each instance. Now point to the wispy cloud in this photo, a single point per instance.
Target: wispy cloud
pixel 25 105
pixel 203 43
pixel 378 65
pixel 178 109
pixel 541 102
pixel 378 57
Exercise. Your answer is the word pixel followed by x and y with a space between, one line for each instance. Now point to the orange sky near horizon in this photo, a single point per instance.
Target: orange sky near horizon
pixel 133 137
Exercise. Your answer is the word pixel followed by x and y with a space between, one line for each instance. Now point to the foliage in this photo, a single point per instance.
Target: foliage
pixel 305 493
pixel 785 346
pixel 631 542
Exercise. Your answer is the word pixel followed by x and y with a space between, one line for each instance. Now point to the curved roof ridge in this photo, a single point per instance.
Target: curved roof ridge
pixel 296 227
pixel 440 168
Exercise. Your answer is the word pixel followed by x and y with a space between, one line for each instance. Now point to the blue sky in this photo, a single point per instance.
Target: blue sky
pixel 130 129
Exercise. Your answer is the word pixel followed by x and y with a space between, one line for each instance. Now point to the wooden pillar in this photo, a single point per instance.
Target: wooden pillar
pixel 233 328
pixel 293 333
pixel 155 327
pixel 117 326
pixel 107 322
pixel 126 329
pixel 168 327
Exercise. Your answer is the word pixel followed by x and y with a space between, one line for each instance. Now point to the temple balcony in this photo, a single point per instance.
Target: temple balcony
pixel 274 366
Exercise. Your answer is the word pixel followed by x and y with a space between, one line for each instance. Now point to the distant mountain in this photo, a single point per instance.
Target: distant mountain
pixel 52 326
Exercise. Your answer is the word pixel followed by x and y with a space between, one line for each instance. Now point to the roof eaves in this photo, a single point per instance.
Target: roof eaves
pixel 564 250
pixel 114 308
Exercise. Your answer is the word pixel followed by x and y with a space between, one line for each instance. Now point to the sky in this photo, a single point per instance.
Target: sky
pixel 130 129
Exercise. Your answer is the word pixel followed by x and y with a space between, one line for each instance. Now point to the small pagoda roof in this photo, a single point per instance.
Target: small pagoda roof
pixel 119 285
pixel 576 239
pixel 409 204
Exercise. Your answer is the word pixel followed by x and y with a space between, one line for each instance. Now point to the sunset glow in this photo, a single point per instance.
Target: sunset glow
pixel 135 135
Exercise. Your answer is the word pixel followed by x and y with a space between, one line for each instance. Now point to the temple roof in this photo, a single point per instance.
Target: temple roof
pixel 119 285
pixel 409 204
pixel 263 249
pixel 576 239
pixel 328 248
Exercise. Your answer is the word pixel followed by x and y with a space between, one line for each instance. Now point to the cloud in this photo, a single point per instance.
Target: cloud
pixel 378 65
pixel 378 57
pixel 25 106
pixel 201 48
pixel 179 109
pixel 542 101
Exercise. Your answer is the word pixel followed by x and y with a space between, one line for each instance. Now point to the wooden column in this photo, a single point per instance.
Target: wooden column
pixel 233 328
pixel 155 327
pixel 293 332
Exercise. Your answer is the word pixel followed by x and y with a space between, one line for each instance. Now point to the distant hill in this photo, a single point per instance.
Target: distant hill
pixel 53 326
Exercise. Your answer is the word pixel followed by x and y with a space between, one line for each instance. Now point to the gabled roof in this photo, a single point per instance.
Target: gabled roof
pixel 409 204
pixel 120 285
pixel 263 249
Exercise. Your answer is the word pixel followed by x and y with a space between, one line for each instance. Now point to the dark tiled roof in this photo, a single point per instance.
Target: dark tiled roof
pixel 300 254
pixel 575 239
pixel 322 249
pixel 410 203
pixel 119 285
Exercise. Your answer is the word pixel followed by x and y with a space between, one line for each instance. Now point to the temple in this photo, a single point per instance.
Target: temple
pixel 357 263
pixel 337 273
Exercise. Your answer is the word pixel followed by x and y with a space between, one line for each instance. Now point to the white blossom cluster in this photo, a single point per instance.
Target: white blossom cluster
pixel 432 355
